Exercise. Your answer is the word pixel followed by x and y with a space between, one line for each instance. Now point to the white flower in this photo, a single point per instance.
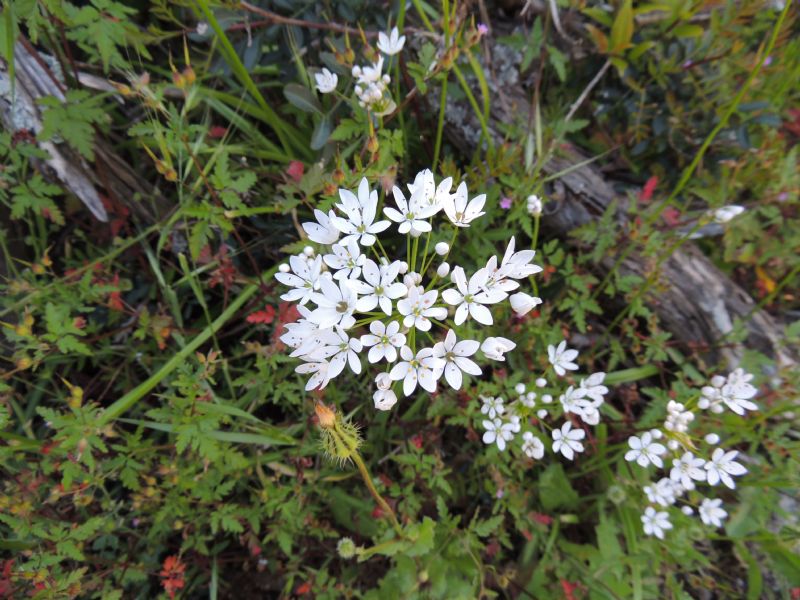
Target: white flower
pixel 567 440
pixel 326 81
pixel 360 223
pixel 369 74
pixel 424 368
pixel 492 407
pixel 461 213
pixel 561 358
pixel 517 264
pixel 427 192
pixel 322 232
pixel 455 356
pixel 379 286
pixel 498 432
pixel 726 213
pixel 495 347
pixel 335 304
pixel 305 279
pixel 417 308
pixel 735 392
pixel 384 399
pixel 469 297
pixel 711 512
pixel 319 370
pixel 522 304
pixel 594 388
pixel 534 204
pixel 411 214
pixel 347 260
pixel 645 451
pixel 384 341
pixel 655 522
pixel 686 468
pixel 339 349
pixel 391 44
pixel 532 446
pixel 662 492
pixel 722 465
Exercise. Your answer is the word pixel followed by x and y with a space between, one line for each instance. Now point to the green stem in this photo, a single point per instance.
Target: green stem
pixel 362 468
pixel 440 125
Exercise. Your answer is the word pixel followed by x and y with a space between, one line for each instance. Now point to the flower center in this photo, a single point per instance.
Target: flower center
pixel 342 307
pixel 361 229
pixel 410 216
pixel 379 290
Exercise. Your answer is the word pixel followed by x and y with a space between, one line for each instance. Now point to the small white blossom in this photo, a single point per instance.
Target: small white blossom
pixel 567 440
pixel 378 286
pixel 304 280
pixel 424 368
pixel 722 465
pixel 469 297
pixel 711 512
pixel 323 231
pixel 360 223
pixel 346 259
pixel 384 399
pixel 726 213
pixel 687 468
pixel 534 205
pixel 417 309
pixel 645 451
pixel 338 349
pixel 319 374
pixel 498 432
pixel 383 341
pixel 455 356
pixel 335 304
pixel 655 522
pixel 492 407
pixel 326 81
pixel 410 214
pixel 460 212
pixel 561 358
pixel 391 44
pixel 662 492
pixel 532 446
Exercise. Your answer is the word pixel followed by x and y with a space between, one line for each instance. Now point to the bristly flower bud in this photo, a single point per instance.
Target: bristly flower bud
pixel 346 548
pixel 340 438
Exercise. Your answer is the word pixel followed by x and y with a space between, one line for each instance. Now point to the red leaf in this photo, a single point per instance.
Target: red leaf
pixel 648 189
pixel 265 316
pixel 217 132
pixel 295 170
pixel 672 216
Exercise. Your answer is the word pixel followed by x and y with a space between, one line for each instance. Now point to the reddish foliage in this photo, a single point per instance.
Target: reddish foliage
pixel 416 440
pixel 6 587
pixel 542 518
pixel 172 573
pixel 648 189
pixel 295 170
pixel 568 589
pixel 303 589
pixel 377 512
pixel 217 132
pixel 265 316
pixel 671 216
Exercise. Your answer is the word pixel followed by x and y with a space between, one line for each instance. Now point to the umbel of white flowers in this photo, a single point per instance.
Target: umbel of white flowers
pixel 370 291
pixel 689 467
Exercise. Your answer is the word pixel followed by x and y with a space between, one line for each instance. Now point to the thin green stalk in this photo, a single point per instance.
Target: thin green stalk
pixel 474 104
pixel 425 21
pixel 440 125
pixel 478 70
pixel 140 391
pixel 362 468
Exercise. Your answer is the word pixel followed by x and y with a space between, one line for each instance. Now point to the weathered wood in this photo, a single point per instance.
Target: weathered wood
pixel 694 300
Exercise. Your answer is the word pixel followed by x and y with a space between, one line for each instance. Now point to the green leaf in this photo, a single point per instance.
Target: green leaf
pixel 688 30
pixel 301 97
pixel 555 490
pixel 559 62
pixel 622 29
pixel 487 527
pixel 322 132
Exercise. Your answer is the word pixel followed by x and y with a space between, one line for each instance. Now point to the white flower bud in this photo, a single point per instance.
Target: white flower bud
pixel 541 382
pixel 726 213
pixel 520 388
pixel 308 251
pixel 547 398
pixel 656 434
pixel 673 444
pixel 442 248
pixel 443 269
pixel 522 303
pixel 412 279
pixel 284 268
pixel 383 381
pixel 712 438
pixel 687 510
pixel 542 413
pixel 718 381
pixel 534 205
pixel 403 267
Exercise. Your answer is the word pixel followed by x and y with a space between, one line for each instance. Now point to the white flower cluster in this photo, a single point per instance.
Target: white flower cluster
pixel 688 469
pixel 372 84
pixel 354 284
pixel 583 401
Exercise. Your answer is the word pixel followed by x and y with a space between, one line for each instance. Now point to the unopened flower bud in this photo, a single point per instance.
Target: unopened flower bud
pixel 547 398
pixel 534 204
pixel 443 270
pixel 712 438
pixel 308 251
pixel 522 303
pixel 520 388
pixel 284 268
pixel 541 413
pixel 346 548
pixel 541 382
pixel 687 510
pixel 383 381
pixel 442 248
pixel 403 267
pixel 338 176
pixel 327 418
pixel 372 145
